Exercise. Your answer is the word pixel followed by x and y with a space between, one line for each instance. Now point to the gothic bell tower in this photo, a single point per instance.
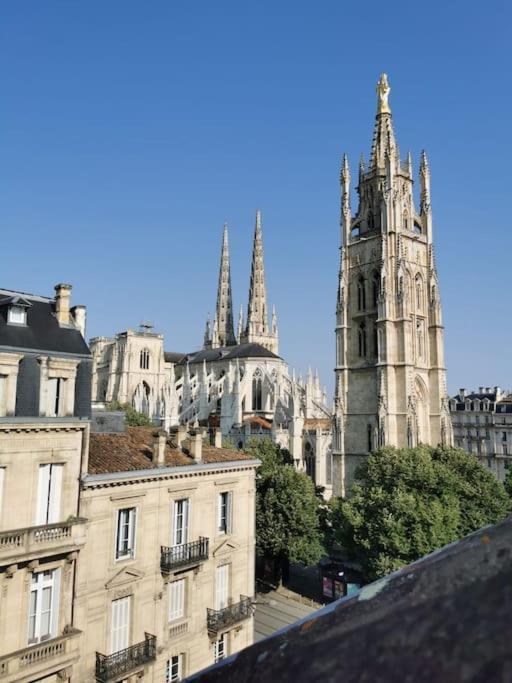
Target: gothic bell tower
pixel 390 373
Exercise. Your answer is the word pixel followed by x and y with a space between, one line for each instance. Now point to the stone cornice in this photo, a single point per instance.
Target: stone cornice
pixel 113 479
pixel 18 425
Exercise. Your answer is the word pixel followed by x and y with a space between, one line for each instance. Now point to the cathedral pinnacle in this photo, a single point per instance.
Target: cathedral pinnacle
pixel 224 312
pixel 257 321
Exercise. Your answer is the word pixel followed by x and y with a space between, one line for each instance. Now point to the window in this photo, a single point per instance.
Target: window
pixel 181 510
pixel 17 315
pixel 362 340
pixel 222 587
pixel 361 294
pixel 144 359
pixel 505 449
pixel 224 516
pixel 503 436
pixel 419 293
pixel 49 488
pixel 43 614
pixel 370 438
pixel 220 649
pixel 419 333
pixel 375 290
pixel 55 396
pixel 375 341
pixel 257 402
pixel 125 542
pixel 120 632
pixel 405 221
pixel 3 395
pixel 176 599
pixel 174 669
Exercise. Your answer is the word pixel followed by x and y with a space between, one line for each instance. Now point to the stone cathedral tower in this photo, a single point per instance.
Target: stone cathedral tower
pixel 390 374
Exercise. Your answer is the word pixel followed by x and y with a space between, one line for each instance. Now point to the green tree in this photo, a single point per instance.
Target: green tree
pixel 508 484
pixel 408 502
pixel 287 509
pixel 133 417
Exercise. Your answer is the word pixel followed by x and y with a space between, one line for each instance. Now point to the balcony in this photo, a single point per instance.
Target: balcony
pixel 112 667
pixel 38 541
pixel 39 661
pixel 186 555
pixel 219 620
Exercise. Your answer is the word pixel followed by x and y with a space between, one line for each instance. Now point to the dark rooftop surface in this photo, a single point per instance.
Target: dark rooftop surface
pixel 133 449
pixel 446 618
pixel 228 353
pixel 42 331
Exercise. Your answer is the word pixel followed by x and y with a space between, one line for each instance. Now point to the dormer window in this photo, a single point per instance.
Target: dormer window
pixel 17 315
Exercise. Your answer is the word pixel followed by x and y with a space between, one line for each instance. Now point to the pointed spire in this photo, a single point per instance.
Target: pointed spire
pixel 224 311
pixel 240 331
pixel 207 333
pixel 425 184
pixel 257 322
pixel 274 321
pixel 362 167
pixel 409 164
pixel 383 136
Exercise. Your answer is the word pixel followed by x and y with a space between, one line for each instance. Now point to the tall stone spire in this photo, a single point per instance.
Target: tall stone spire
pixel 224 312
pixel 384 147
pixel 257 329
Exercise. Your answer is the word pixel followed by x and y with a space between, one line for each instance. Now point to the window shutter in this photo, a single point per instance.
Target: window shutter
pixel 43 491
pixel 229 513
pixel 186 513
pixel 221 587
pixel 219 511
pixel 2 478
pixel 55 489
pixel 120 624
pixel 51 397
pixel 176 599
pixel 132 529
pixel 55 604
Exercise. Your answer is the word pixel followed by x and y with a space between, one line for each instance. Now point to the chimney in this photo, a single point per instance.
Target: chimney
pixel 480 390
pixel 487 390
pixel 217 438
pixel 62 299
pixel 79 314
pixel 462 393
pixel 196 445
pixel 159 443
pixel 179 435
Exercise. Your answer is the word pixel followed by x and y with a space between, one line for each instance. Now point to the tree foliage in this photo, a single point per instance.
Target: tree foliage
pixel 409 502
pixel 132 416
pixel 287 520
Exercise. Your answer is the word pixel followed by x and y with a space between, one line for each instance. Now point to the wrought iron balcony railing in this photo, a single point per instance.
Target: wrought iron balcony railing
pixel 183 555
pixel 218 620
pixel 115 666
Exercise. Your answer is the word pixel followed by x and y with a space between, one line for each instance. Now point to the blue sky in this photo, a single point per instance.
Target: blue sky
pixel 130 131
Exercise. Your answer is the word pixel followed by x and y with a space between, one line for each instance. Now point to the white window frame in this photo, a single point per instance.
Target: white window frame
pixel 181 517
pixel 120 624
pixel 42 584
pixel 49 493
pixel 177 599
pixel 220 648
pixel 17 315
pixel 174 669
pixel 126 521
pixel 225 512
pixel 3 395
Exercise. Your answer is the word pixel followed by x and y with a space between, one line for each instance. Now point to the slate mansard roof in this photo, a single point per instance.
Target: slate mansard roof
pixel 42 331
pixel 224 353
pixel 132 450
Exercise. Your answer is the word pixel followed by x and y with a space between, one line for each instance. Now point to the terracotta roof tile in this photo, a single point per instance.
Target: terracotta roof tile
pixel 133 450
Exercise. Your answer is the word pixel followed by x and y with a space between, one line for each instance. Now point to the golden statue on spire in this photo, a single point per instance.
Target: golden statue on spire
pixel 383 90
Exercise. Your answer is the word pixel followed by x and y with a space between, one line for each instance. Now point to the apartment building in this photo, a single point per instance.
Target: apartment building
pixel 45 371
pixel 165 582
pixel 482 425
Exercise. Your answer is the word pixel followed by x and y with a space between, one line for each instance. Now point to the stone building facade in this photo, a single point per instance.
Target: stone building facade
pixel 390 373
pixel 482 425
pixel 45 370
pixel 164 586
pixel 237 381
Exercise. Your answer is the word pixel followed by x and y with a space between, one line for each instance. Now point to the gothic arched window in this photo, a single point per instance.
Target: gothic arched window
pixel 405 221
pixel 361 294
pixel 419 292
pixel 375 289
pixel 375 341
pixel 362 340
pixel 369 431
pixel 419 333
pixel 144 359
pixel 257 402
